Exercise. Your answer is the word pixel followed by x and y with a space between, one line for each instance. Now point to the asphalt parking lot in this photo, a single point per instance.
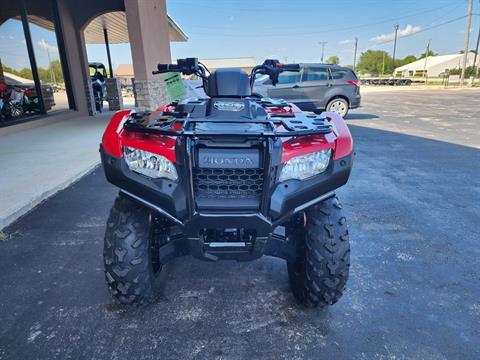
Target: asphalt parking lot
pixel 413 207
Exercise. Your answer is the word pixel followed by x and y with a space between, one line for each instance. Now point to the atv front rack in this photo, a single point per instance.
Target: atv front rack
pixel 181 124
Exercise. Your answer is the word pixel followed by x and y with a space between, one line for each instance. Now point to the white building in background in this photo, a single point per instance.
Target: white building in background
pixel 435 65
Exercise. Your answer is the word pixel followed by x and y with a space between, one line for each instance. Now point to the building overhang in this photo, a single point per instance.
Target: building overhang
pixel 116 25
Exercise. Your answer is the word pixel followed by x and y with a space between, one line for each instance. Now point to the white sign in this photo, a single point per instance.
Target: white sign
pixel 453 78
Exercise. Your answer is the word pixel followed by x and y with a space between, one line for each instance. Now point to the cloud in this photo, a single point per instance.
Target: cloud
pixel 45 45
pixel 409 30
pixel 345 42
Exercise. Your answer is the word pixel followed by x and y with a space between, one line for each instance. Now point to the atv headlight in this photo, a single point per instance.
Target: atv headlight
pixel 149 164
pixel 305 166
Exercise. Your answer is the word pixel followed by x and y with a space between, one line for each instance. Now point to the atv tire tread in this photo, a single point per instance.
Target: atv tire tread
pixel 126 252
pixel 320 277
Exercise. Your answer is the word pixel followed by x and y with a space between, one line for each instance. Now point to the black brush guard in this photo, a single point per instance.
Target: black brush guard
pixel 260 205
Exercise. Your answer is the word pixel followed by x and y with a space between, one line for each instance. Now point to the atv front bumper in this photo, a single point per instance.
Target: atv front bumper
pixel 174 200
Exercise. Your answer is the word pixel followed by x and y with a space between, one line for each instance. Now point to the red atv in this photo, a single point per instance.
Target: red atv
pixel 231 176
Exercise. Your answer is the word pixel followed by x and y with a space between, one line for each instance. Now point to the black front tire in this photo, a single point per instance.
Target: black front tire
pixel 130 252
pixel 319 275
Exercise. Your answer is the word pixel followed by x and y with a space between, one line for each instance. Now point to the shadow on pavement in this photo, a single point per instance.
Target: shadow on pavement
pixel 412 206
pixel 360 116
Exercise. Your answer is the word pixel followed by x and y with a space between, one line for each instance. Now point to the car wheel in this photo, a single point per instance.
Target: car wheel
pixel 339 106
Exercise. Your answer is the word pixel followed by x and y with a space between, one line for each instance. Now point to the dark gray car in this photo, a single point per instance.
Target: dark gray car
pixel 317 87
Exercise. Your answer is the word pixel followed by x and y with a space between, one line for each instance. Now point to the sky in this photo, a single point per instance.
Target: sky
pixel 293 29
pixel 288 30
pixel 13 49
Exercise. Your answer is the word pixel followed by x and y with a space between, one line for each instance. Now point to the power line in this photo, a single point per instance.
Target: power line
pixel 335 30
pixel 425 29
pixel 388 20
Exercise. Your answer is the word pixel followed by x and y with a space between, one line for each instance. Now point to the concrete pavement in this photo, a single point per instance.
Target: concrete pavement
pixel 38 162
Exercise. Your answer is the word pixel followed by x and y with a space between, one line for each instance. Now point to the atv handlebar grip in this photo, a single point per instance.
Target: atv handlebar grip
pixel 164 68
pixel 290 67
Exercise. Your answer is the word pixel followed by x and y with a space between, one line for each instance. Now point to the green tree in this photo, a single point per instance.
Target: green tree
pixel 469 71
pixel 26 73
pixel 374 61
pixel 406 60
pixel 334 59
pixel 57 70
pixel 430 53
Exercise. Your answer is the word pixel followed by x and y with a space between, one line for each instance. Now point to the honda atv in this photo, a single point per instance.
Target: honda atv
pixel 231 176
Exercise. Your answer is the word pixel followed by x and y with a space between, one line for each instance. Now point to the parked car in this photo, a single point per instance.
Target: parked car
pixel 317 87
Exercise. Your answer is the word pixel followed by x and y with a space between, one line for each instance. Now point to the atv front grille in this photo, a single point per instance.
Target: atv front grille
pixel 228 183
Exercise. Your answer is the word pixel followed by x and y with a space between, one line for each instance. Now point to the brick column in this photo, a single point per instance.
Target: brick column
pixel 150 44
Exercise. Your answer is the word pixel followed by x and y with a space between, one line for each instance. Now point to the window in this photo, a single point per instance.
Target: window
pixel 289 77
pixel 18 98
pixel 31 74
pixel 316 74
pixel 47 55
pixel 338 74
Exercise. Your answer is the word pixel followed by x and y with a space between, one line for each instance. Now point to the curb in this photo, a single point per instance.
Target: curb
pixel 38 199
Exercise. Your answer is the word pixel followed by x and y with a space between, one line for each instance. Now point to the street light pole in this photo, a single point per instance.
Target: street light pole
pixel 355 54
pixel 322 43
pixel 467 39
pixel 396 26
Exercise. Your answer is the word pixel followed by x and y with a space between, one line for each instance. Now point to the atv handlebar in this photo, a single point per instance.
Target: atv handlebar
pixel 290 67
pixel 272 68
pixel 191 66
pixel 186 66
pixel 164 68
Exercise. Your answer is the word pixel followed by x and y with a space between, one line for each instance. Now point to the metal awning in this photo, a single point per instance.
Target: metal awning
pixel 116 25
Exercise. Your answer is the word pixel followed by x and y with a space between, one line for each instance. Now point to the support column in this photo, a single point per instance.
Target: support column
pixel 88 90
pixel 150 44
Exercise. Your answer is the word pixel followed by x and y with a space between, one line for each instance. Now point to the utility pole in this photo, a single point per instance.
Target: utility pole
pixel 476 51
pixel 383 63
pixel 425 65
pixel 396 26
pixel 355 54
pixel 322 43
pixel 467 39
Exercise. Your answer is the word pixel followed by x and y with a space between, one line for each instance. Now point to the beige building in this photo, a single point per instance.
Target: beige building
pixel 244 63
pixel 125 72
pixel 45 41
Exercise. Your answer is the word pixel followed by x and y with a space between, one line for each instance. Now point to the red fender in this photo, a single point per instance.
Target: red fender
pixel 115 138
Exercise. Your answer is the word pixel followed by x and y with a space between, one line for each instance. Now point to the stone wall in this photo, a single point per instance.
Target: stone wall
pixel 90 99
pixel 114 94
pixel 150 94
